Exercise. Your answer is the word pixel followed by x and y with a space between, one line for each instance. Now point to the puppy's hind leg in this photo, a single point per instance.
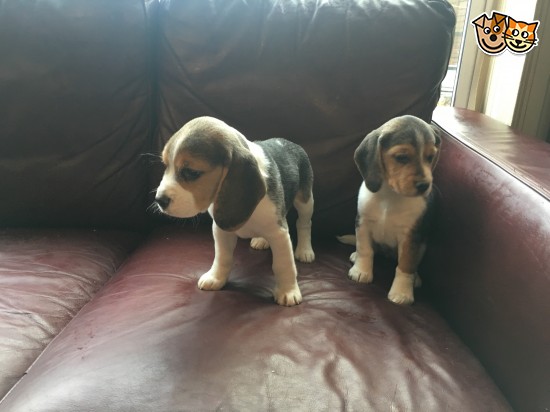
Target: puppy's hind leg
pixel 304 251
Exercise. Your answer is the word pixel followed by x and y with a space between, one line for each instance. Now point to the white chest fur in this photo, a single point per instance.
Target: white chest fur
pixel 262 221
pixel 388 216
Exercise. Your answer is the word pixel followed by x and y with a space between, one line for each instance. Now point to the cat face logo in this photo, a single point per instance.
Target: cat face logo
pixel 520 36
pixel 490 32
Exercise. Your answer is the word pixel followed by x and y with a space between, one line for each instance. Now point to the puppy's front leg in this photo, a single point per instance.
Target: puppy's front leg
pixel 287 292
pixel 224 246
pixel 409 255
pixel 362 258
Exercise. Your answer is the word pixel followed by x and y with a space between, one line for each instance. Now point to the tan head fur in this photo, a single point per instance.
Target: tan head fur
pixel 208 162
pixel 402 153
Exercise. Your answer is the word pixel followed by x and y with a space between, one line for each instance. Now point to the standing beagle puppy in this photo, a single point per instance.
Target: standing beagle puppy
pixel 396 162
pixel 247 188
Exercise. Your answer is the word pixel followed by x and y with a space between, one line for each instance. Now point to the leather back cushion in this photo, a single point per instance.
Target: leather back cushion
pixel 75 112
pixel 320 74
pixel 79 87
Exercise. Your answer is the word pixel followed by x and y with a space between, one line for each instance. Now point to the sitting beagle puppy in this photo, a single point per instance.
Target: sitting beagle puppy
pixel 394 204
pixel 247 188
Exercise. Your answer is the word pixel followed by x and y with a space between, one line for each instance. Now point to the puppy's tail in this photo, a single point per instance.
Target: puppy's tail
pixel 347 239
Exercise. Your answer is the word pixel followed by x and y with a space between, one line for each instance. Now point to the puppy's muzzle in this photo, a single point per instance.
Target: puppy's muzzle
pixel 163 201
pixel 422 187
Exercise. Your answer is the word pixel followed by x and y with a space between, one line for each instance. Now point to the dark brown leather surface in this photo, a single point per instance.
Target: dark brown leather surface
pixel 45 279
pixel 489 262
pixel 524 157
pixel 320 74
pixel 75 112
pixel 152 341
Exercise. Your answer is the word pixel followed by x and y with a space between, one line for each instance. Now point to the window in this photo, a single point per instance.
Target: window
pixel 474 80
pixel 448 86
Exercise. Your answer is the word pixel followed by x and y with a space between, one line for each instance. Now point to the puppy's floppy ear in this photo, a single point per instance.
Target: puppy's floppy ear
pixel 240 192
pixel 367 159
pixel 437 135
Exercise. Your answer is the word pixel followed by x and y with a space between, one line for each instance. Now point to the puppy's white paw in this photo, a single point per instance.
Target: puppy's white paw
pixel 353 257
pixel 210 282
pixel 359 276
pixel 401 298
pixel 306 255
pixel 259 243
pixel 401 291
pixel 290 297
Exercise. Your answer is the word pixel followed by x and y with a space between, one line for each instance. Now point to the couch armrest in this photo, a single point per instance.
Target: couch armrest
pixel 488 265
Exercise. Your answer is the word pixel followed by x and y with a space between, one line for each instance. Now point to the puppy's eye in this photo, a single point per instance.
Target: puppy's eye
pixel 430 158
pixel 486 30
pixel 402 158
pixel 496 29
pixel 189 175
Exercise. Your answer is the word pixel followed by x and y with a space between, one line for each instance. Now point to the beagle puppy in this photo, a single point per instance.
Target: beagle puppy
pixel 394 204
pixel 247 188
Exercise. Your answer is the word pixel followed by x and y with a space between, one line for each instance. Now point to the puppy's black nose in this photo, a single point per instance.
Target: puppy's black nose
pixel 422 187
pixel 163 201
pixel 493 37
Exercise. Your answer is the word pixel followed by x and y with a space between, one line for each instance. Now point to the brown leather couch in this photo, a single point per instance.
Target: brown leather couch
pixel 99 309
